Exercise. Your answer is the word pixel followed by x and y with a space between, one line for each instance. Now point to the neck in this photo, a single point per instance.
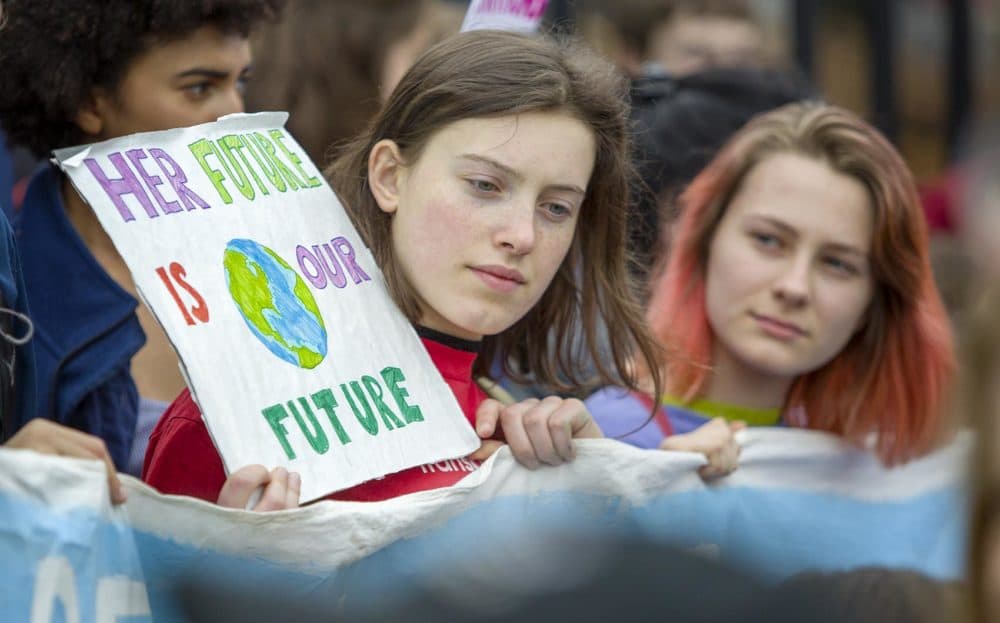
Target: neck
pixel 458 343
pixel 84 221
pixel 733 382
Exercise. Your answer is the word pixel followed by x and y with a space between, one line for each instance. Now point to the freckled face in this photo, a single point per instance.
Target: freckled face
pixel 179 83
pixel 788 280
pixel 487 214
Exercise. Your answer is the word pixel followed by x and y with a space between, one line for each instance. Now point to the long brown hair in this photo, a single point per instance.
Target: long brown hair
pixel 893 376
pixel 490 74
pixel 323 61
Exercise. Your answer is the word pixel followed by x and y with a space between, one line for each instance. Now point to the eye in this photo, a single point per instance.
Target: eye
pixel 557 211
pixel 197 90
pixel 766 241
pixel 841 267
pixel 242 81
pixel 485 187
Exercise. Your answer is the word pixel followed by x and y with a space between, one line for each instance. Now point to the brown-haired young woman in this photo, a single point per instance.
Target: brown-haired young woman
pixel 490 190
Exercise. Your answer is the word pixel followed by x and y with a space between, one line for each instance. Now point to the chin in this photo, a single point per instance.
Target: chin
pixel 487 321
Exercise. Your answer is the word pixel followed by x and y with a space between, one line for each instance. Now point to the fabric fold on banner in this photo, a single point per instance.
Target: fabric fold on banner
pixel 800 500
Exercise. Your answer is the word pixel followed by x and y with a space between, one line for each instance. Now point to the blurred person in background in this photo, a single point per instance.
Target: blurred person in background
pixel 331 63
pixel 680 124
pixel 797 292
pixel 980 397
pixel 981 407
pixel 673 37
pixel 81 71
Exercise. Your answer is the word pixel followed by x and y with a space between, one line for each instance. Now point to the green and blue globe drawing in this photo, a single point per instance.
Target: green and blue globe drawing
pixel 275 303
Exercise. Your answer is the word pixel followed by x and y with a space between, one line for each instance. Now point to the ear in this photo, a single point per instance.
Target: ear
pixel 92 112
pixel 386 174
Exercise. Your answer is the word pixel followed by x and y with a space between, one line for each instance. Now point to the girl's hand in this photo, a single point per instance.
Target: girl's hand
pixel 537 431
pixel 280 489
pixel 47 437
pixel 716 440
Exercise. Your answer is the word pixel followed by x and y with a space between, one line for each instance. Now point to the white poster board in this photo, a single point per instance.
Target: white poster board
pixel 287 336
pixel 515 15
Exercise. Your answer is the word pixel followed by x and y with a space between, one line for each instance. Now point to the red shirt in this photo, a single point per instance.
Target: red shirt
pixel 182 460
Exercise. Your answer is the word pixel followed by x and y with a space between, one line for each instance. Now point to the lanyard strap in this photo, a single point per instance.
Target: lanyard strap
pixel 660 417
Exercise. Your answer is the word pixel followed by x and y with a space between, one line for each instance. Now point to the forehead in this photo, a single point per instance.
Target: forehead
pixel 536 144
pixel 808 195
pixel 206 47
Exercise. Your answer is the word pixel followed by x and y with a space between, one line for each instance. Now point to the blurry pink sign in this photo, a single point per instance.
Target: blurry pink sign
pixel 515 15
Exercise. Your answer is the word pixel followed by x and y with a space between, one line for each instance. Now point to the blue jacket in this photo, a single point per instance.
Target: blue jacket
pixel 17 376
pixel 86 328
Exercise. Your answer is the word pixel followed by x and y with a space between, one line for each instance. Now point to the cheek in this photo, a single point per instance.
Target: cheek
pixel 731 275
pixel 554 248
pixel 847 310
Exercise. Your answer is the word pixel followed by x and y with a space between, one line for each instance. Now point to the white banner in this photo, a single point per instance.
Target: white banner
pixel 799 501
pixel 289 340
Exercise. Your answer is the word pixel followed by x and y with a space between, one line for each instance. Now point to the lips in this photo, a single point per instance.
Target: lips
pixel 780 329
pixel 499 277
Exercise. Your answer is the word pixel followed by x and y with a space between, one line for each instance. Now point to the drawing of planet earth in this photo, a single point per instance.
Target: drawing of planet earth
pixel 275 303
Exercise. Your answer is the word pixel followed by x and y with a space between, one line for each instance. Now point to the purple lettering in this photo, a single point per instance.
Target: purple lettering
pixel 347 260
pixel 316 276
pixel 333 270
pixel 136 156
pixel 127 184
pixel 178 180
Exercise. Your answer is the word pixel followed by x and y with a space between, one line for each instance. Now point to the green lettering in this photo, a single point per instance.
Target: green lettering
pixel 311 182
pixel 325 400
pixel 264 163
pixel 201 149
pixel 267 148
pixel 367 421
pixel 375 391
pixel 393 377
pixel 228 144
pixel 314 434
pixel 274 414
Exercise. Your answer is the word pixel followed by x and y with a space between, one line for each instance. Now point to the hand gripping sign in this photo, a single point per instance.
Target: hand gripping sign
pixel 286 334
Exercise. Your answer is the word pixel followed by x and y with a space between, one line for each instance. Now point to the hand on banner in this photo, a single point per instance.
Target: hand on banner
pixel 537 431
pixel 48 437
pixel 716 440
pixel 280 489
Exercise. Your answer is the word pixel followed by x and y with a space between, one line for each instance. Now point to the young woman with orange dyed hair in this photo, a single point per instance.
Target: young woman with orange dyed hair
pixel 798 291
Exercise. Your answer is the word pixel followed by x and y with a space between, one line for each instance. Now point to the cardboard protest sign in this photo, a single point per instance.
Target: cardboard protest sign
pixel 287 336
pixel 515 15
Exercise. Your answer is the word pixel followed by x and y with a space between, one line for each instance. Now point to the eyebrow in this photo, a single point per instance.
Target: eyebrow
pixel 205 72
pixel 836 246
pixel 573 188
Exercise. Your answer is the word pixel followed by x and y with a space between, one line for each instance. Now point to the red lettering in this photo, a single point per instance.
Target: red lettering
pixel 178 274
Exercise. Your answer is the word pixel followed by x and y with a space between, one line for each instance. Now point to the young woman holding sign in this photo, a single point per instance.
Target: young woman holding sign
pixel 798 291
pixel 491 184
pixel 82 71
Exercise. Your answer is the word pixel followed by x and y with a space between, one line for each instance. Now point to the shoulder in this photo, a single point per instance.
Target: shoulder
pixel 181 458
pixel 617 410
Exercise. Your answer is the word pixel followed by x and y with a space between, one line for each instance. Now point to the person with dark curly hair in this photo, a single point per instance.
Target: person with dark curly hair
pixel 80 71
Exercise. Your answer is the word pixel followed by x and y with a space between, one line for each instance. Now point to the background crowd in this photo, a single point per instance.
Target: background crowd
pixel 732 105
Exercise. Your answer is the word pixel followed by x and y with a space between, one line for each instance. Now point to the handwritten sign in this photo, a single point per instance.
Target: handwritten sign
pixel 287 336
pixel 515 15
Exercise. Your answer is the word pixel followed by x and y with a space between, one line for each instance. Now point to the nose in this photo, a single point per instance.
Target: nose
pixel 227 101
pixel 232 101
pixel 792 286
pixel 516 231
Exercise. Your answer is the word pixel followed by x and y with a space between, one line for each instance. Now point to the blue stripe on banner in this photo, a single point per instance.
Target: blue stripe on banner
pixel 70 564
